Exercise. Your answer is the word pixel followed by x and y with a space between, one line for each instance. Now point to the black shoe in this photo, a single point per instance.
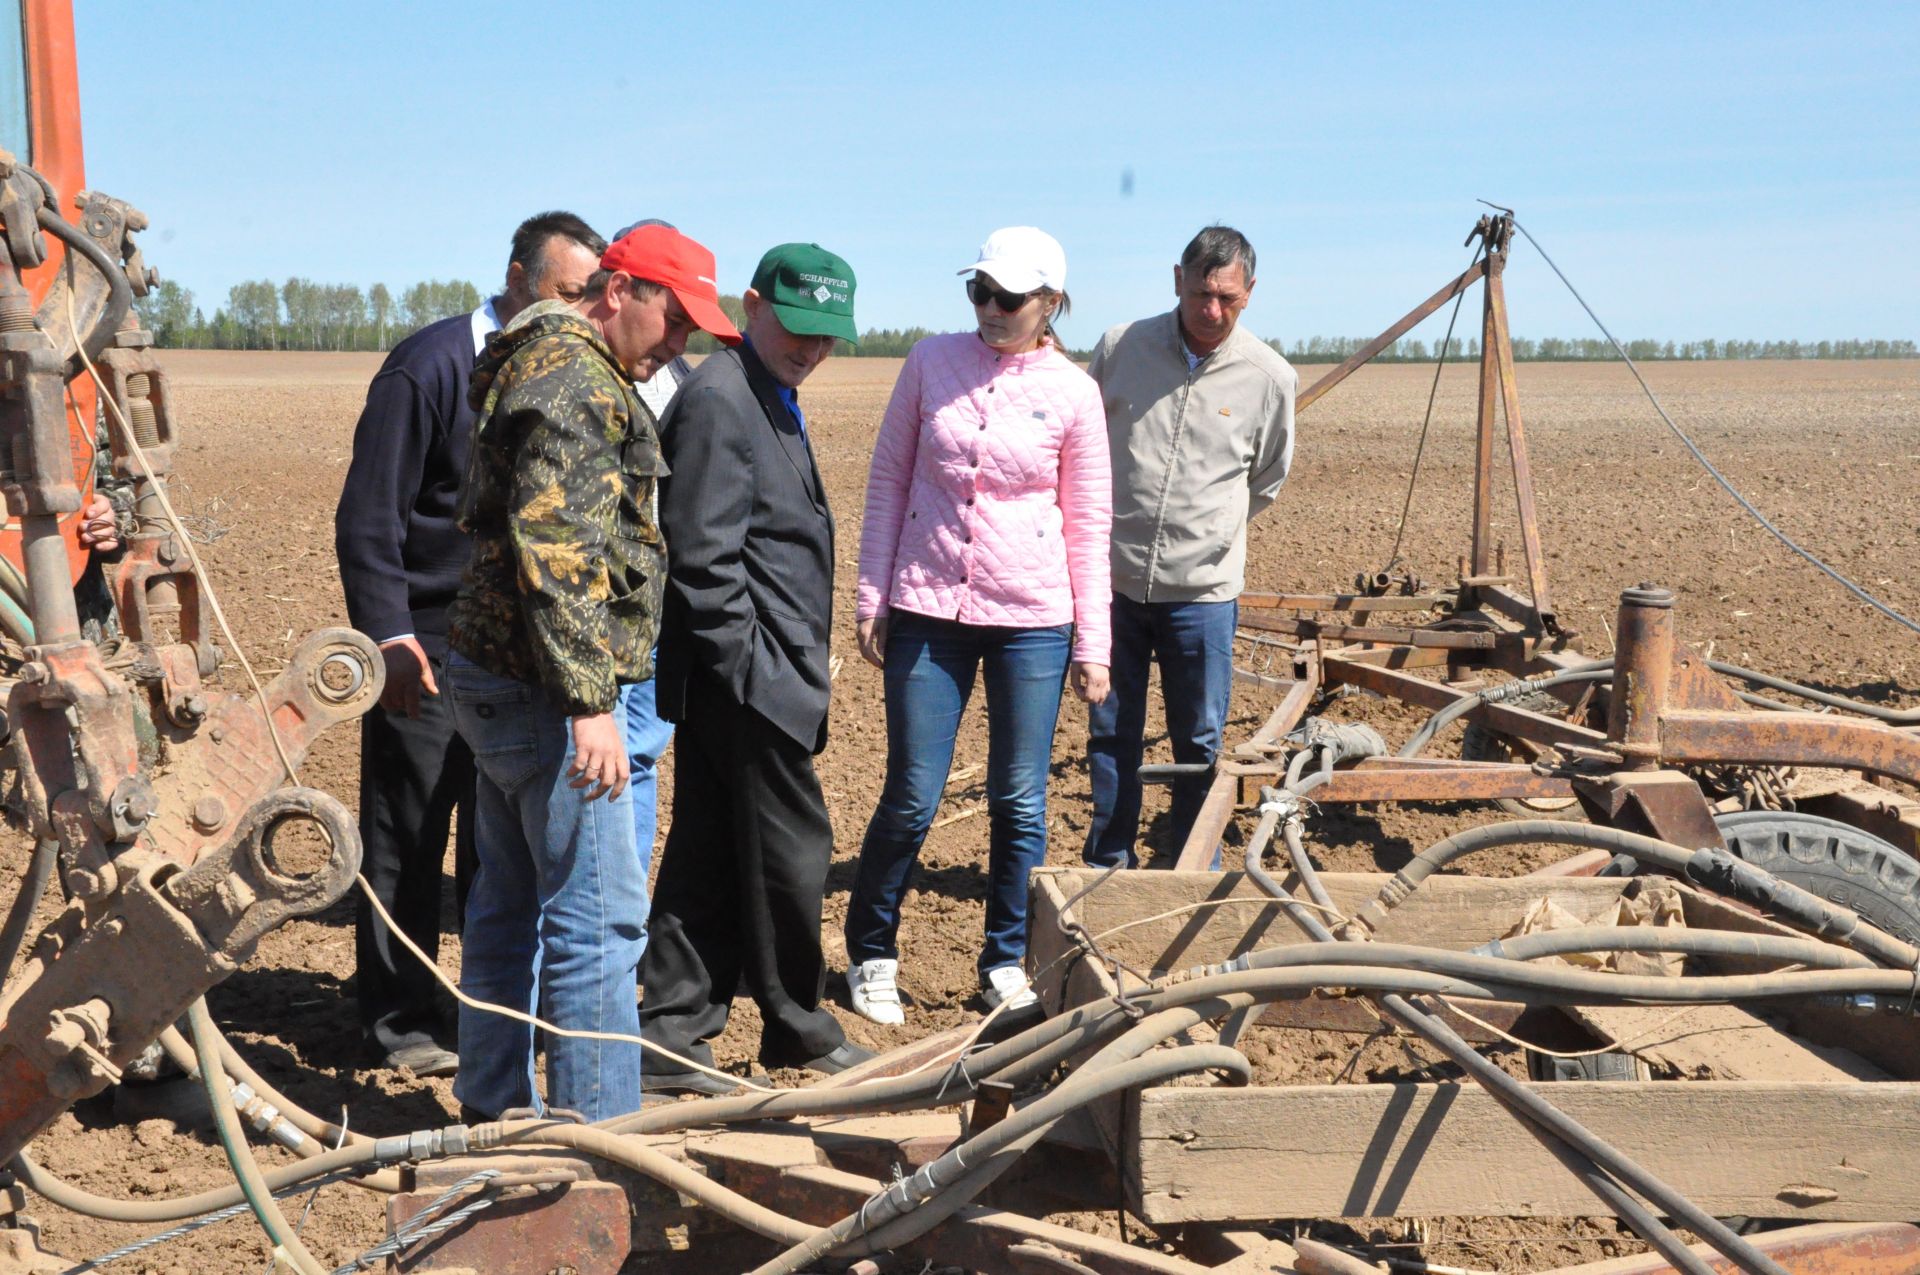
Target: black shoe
pixel 423 1059
pixel 843 1056
pixel 694 1082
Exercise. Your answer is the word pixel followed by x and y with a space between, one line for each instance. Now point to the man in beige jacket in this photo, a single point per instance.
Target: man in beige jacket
pixel 1200 422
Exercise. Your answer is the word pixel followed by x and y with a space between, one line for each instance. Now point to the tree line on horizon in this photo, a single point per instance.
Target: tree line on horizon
pixel 301 314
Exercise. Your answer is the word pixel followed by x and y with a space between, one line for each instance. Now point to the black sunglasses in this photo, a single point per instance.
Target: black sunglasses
pixel 979 291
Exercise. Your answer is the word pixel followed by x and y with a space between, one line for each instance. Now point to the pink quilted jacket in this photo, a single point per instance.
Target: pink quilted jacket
pixel 990 500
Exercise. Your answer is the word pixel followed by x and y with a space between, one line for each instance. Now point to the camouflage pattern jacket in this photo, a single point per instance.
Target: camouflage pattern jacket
pixel 564 587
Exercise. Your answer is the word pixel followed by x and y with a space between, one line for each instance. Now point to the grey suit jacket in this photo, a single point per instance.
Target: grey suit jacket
pixel 749 550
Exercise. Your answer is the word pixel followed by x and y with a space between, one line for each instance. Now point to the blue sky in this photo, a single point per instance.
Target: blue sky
pixel 1723 170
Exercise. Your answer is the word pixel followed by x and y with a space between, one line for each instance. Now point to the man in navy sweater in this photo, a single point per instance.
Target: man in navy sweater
pixel 401 558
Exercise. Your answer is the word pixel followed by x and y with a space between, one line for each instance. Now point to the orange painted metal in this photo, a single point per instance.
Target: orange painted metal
pixel 53 96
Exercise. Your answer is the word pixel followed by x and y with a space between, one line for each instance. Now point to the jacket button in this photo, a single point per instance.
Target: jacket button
pixel 963 579
pixel 983 425
pixel 969 502
pixel 969 537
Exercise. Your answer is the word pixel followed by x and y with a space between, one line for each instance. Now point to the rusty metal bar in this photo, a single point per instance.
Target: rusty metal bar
pixel 1397 779
pixel 1481 562
pixel 1517 452
pixel 1441 639
pixel 1520 723
pixel 1413 318
pixel 1341 602
pixel 1196 855
pixel 1790 739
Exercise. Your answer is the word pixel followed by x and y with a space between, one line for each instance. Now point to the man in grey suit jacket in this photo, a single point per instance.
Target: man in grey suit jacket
pixel 743 670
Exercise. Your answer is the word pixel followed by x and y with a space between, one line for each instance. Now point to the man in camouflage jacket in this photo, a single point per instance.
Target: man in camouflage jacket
pixel 556 619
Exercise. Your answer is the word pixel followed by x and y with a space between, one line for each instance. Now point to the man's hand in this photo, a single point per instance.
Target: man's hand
pixel 1089 682
pixel 873 640
pixel 599 757
pixel 99 532
pixel 408 674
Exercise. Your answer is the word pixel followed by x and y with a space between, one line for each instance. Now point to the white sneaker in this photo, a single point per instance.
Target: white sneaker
pixel 876 996
pixel 1007 986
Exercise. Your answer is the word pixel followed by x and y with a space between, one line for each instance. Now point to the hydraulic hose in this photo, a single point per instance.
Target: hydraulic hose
pixel 56 1190
pixel 1713 869
pixel 650 1163
pixel 119 291
pixel 33 884
pixel 1681 939
pixel 1001 1146
pixel 288 1123
pixel 286 1242
pixel 1593 1160
pixel 1891 716
pixel 15 621
pixel 923 1203
pixel 1596 672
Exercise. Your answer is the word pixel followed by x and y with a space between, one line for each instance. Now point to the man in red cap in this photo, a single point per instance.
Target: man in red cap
pixel 555 623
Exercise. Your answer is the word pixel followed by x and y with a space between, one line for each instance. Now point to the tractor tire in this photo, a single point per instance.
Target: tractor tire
pixel 1834 860
pixel 1478 743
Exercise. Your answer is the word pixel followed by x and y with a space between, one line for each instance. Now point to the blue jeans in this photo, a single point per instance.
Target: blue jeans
pixel 646 738
pixel 929 675
pixel 1193 642
pixel 557 915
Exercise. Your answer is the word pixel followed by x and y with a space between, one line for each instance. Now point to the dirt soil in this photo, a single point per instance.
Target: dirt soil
pixel 1831 451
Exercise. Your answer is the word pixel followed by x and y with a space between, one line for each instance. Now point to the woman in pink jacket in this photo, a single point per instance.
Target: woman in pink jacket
pixel 984 551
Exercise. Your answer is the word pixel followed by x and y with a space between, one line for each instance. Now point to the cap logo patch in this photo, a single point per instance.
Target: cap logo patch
pixel 821 293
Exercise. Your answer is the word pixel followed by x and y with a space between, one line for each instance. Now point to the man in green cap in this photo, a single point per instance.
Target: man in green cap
pixel 743 670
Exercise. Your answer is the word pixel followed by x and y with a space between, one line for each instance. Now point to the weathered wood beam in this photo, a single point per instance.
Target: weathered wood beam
pixel 1758 1149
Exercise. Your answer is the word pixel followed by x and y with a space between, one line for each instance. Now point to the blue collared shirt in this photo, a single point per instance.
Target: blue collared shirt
pixel 791 397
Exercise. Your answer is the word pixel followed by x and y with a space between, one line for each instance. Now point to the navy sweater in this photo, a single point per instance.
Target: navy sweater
pixel 401 556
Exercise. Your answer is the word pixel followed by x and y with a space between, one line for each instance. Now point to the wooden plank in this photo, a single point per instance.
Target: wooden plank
pixel 1216 812
pixel 1453 912
pixel 1721 1042
pixel 1812 1152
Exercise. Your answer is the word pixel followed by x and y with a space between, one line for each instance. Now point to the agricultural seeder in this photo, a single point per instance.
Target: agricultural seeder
pixel 1720 918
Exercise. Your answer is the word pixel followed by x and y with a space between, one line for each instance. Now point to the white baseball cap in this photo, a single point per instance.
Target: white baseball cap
pixel 1021 259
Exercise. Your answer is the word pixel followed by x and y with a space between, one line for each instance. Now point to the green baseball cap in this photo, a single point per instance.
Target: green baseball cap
pixel 810 288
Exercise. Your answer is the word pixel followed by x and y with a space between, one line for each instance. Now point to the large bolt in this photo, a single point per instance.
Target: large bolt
pixel 33 672
pixel 209 814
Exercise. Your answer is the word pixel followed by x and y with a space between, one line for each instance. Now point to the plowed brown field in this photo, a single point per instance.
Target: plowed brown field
pixel 1830 450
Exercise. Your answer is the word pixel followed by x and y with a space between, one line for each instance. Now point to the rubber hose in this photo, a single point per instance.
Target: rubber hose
pixel 644 1160
pixel 74 1199
pixel 33 884
pixel 1715 869
pixel 322 1133
pixel 233 1140
pixel 1892 716
pixel 995 1159
pixel 1116 1067
pixel 1592 1158
pixel 13 584
pixel 1494 694
pixel 119 291
pixel 15 621
pixel 1641 938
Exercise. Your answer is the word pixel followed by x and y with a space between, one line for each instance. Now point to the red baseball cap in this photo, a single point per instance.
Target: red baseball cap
pixel 662 255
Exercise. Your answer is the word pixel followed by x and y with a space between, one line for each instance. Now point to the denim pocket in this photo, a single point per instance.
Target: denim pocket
pixel 495 716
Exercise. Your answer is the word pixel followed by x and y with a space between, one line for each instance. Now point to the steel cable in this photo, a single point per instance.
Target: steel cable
pixel 1699 455
pixel 1420 449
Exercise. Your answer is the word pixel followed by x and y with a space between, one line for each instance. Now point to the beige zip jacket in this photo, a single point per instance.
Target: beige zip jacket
pixel 1195 452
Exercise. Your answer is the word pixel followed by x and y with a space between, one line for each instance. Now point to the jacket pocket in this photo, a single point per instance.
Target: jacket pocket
pixel 789 630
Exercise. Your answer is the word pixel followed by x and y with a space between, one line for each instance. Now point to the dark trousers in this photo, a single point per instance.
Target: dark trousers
pixel 742 878
pixel 414 774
